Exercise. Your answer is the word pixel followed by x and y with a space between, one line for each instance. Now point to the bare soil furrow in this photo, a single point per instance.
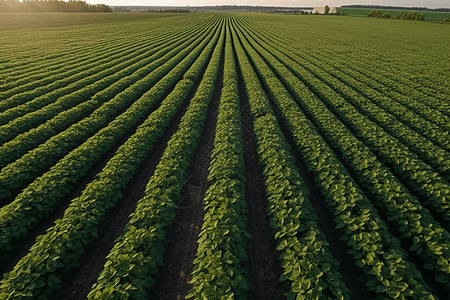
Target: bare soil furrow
pixel 263 265
pixel 173 278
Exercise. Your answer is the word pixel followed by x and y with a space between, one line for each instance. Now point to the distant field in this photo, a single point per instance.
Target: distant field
pixel 223 156
pixel 429 15
pixel 38 21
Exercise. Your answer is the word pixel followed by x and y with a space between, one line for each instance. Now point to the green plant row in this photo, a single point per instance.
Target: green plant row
pixel 374 249
pixel 428 92
pixel 41 196
pixel 35 59
pixel 404 210
pixel 23 171
pixel 32 61
pixel 28 101
pixel 217 271
pixel 137 253
pixel 310 270
pixel 21 144
pixel 81 90
pixel 389 80
pixel 359 81
pixel 58 251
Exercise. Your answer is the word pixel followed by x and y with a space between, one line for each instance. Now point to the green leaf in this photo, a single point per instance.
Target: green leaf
pixel 380 289
pixel 443 278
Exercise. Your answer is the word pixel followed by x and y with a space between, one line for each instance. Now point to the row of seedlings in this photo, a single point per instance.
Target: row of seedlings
pixel 217 271
pixel 384 81
pixel 387 114
pixel 411 129
pixel 398 84
pixel 420 177
pixel 137 253
pixel 430 112
pixel 383 97
pixel 310 270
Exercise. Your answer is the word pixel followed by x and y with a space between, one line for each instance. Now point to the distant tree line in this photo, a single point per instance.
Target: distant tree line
pixel 121 9
pixel 227 8
pixel 378 14
pixel 398 7
pixel 301 12
pixel 51 6
pixel 169 11
pixel 412 15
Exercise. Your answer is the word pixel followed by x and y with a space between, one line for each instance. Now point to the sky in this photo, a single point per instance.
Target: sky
pixel 291 3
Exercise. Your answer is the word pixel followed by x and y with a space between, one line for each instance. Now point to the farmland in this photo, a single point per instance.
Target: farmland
pixel 429 15
pixel 224 156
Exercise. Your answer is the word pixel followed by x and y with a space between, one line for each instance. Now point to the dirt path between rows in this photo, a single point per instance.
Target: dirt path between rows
pixel 263 265
pixel 172 280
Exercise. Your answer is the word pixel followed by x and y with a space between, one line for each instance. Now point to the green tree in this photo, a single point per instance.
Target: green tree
pixel 327 9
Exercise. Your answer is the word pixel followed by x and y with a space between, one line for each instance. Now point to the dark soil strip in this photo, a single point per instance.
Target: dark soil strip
pixel 263 265
pixel 349 271
pixel 78 283
pixel 172 280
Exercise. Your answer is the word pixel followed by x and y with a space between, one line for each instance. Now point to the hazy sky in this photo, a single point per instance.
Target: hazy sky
pixel 295 3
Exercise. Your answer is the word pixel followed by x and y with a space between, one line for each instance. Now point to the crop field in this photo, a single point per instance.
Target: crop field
pixel 223 156
pixel 429 15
